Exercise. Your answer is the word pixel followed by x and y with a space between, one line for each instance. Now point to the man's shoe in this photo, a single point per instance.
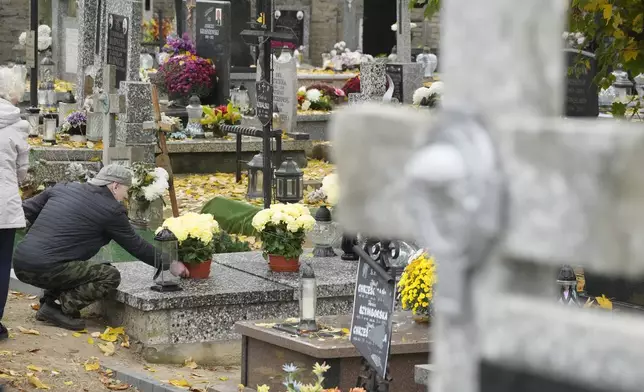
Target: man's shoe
pixel 50 314
pixel 4 334
pixel 56 306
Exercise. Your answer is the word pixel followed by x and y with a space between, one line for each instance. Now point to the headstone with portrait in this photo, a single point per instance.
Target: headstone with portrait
pixel 295 20
pixel 213 39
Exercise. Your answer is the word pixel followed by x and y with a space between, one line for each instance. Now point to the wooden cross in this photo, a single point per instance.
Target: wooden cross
pixel 503 191
pixel 163 159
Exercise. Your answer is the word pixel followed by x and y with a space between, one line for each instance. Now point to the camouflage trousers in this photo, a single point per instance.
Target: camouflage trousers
pixel 76 284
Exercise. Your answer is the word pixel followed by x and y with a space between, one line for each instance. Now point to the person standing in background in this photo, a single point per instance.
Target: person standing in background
pixel 14 162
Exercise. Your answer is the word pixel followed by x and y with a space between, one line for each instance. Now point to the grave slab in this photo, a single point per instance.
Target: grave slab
pixel 335 277
pixel 410 346
pixel 423 373
pixel 198 322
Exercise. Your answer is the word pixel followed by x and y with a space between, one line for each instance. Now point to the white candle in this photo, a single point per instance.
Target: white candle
pixel 308 299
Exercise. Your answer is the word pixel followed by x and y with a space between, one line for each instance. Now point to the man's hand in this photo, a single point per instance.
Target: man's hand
pixel 177 268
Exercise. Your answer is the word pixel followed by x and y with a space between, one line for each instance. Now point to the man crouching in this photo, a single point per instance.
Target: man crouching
pixel 70 223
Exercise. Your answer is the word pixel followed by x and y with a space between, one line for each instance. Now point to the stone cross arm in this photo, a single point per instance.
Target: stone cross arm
pixel 575 189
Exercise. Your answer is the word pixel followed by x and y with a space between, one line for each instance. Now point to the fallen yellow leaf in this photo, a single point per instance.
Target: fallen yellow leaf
pixel 345 331
pixel 33 380
pixel 68 383
pixel 90 340
pixel 189 363
pixel 5 377
pixel 223 378
pixel 35 306
pixel 107 348
pixel 34 368
pixel 150 369
pixel 91 366
pixel 118 387
pixel 126 341
pixel 179 383
pixel 604 302
pixel 4 353
pixel 28 331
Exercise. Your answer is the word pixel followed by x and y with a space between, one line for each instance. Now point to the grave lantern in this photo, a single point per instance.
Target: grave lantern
pixel 567 279
pixel 324 233
pixel 47 93
pixel 49 134
pixel 290 182
pixel 167 251
pixel 256 177
pixel 243 99
pixel 639 86
pixel 622 84
pixel 33 117
pixel 308 299
pixel 67 105
pixel 195 112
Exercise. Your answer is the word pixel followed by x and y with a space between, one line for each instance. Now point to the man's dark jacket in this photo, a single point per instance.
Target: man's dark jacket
pixel 71 222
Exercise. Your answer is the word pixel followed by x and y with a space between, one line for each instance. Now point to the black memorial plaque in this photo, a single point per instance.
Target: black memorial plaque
pixel 213 31
pixel 373 307
pixel 118 29
pixel 582 99
pixel 264 92
pixel 288 22
pixel 395 72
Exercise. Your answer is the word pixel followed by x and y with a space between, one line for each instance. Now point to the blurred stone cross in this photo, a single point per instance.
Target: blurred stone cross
pixel 503 191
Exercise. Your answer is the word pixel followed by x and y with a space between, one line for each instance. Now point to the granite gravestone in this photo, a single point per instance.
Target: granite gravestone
pixel 240 52
pixel 395 72
pixel 213 37
pixel 64 31
pixel 295 20
pixel 285 88
pixel 373 306
pixel 118 29
pixel 582 99
pixel 264 102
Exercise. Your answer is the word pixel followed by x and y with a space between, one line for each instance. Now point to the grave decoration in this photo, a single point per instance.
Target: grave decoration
pixel 44 38
pixel 342 59
pixel 195 113
pixel 308 300
pixel 153 34
pixel 216 116
pixel 567 279
pixel 195 234
pixel 149 184
pixel 429 62
pixel 294 382
pixel 429 97
pixel 319 96
pixel 75 125
pixel 183 74
pixel 167 250
pixel 282 229
pixel 324 233
pixel 416 286
pixel 289 182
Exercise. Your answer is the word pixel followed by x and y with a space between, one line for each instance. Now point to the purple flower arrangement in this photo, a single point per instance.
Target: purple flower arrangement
pixel 75 123
pixel 186 75
pixel 179 45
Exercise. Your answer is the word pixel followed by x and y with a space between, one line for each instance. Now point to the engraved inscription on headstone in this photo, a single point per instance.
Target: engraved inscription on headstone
pixel 395 71
pixel 285 89
pixel 213 38
pixel 264 101
pixel 30 56
pixel 582 99
pixel 373 306
pixel 117 36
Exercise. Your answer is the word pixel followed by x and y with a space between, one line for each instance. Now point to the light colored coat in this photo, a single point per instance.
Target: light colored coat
pixel 14 162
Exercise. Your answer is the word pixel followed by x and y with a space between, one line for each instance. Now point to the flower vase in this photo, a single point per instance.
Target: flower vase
pixel 139 213
pixel 281 264
pixel 199 270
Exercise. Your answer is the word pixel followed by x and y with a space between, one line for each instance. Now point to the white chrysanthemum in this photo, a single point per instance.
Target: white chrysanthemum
pixel 302 90
pixel 44 31
pixel 306 222
pixel 22 40
pixel 436 88
pixel 419 94
pixel 160 172
pixel 313 95
pixel 333 53
pixel 261 219
pixel 44 43
pixel 136 181
pixel 306 105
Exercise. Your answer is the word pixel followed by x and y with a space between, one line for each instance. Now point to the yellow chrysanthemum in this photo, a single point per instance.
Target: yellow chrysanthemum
pixel 417 282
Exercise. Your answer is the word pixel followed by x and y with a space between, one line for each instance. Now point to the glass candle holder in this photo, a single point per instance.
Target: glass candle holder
pixel 49 135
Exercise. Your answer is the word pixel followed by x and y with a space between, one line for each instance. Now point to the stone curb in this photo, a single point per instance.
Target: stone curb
pixel 140 381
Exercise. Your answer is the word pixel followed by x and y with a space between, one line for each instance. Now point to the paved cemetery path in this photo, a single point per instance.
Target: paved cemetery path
pixel 65 361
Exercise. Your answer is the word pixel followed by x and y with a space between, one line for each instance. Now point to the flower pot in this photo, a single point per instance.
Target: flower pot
pixel 78 138
pixel 281 264
pixel 199 270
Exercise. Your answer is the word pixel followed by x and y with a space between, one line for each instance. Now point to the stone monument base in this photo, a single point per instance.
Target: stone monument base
pixel 198 322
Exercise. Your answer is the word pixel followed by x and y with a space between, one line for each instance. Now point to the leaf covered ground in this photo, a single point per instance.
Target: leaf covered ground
pixel 42 357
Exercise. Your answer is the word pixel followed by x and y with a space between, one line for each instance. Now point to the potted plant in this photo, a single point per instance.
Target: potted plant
pixel 184 74
pixel 75 125
pixel 148 185
pixel 282 229
pixel 416 286
pixel 195 233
